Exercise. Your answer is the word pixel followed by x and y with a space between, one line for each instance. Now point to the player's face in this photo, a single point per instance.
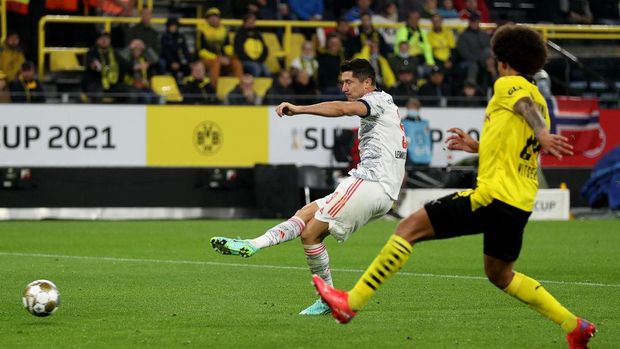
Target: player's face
pixel 352 87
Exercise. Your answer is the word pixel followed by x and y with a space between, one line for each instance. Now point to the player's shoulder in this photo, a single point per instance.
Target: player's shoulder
pixel 378 97
pixel 509 85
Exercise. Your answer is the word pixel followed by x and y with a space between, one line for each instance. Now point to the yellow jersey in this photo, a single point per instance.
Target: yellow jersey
pixel 442 43
pixel 508 150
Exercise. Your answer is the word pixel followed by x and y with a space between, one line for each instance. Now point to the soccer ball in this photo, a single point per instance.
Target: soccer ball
pixel 41 298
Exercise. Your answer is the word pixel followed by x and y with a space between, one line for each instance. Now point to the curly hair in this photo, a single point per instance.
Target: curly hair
pixel 521 47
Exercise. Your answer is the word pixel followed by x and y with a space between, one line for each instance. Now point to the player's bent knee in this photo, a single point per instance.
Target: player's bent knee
pixel 415 227
pixel 307 212
pixel 314 232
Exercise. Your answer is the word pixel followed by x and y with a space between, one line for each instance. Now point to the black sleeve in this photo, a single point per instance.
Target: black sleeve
pixel 367 108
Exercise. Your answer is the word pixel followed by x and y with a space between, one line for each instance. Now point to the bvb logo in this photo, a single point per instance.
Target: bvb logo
pixel 208 138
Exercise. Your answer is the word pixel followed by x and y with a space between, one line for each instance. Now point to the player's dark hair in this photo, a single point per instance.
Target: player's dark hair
pixel 360 68
pixel 521 47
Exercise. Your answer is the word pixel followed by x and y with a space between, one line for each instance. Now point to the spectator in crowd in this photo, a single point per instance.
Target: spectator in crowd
pixel 388 14
pixel 145 32
pixel 243 94
pixel 269 9
pixel 105 71
pixel 21 18
pixel 489 75
pixel 251 48
pixel 429 8
pixel 305 87
pixel 329 65
pixel 447 10
pixel 262 9
pixel 473 46
pixel 413 107
pixel 576 11
pixel 605 12
pixel 307 10
pixel 307 61
pixel 217 52
pixel 11 56
pixel 419 46
pixel 405 87
pixel 26 88
pixel 417 130
pixel 406 6
pixel 242 7
pixel 368 32
pixel 469 96
pixel 361 6
pixel 142 67
pixel 467 8
pixel 117 8
pixel 5 93
pixel 281 89
pixel 284 13
pixel 174 50
pixel 384 77
pixel 348 38
pixel 434 90
pixel 196 88
pixel 442 41
pixel 402 60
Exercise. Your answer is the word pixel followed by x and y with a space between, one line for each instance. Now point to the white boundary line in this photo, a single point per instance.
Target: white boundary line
pixel 282 267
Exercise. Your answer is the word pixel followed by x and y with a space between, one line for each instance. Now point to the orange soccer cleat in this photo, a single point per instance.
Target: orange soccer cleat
pixel 336 299
pixel 580 336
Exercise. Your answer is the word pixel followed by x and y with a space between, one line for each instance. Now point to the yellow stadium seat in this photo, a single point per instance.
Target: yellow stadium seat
pixel 261 85
pixel 225 84
pixel 166 86
pixel 64 61
pixel 297 40
pixel 275 51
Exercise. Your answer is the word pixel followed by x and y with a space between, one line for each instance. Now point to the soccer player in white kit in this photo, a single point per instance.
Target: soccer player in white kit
pixel 368 193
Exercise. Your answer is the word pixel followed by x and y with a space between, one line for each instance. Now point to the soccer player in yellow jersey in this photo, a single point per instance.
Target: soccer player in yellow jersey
pixel 516 129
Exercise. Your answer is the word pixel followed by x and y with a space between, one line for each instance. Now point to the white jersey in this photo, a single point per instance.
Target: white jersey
pixel 382 144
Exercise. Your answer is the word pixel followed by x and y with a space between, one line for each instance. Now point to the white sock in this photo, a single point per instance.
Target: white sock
pixel 282 232
pixel 318 261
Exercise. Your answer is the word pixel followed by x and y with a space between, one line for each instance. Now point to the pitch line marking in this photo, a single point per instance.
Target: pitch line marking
pixel 282 267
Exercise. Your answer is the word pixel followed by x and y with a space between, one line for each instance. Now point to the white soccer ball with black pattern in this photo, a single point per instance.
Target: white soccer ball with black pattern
pixel 41 298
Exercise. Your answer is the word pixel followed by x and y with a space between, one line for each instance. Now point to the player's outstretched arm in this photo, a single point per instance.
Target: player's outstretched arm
pixel 555 145
pixel 327 109
pixel 459 140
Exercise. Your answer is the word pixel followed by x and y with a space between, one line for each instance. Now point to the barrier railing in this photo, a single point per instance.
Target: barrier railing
pixel 548 31
pixel 139 6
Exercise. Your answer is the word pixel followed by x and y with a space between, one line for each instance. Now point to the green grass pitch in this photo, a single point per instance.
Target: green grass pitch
pixel 157 284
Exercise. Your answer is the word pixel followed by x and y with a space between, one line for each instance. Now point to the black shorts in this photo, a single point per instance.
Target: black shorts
pixel 501 224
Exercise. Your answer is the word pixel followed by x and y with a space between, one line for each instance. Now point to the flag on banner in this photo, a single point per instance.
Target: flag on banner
pixel 577 118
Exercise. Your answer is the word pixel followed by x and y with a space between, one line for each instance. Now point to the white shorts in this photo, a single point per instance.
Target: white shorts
pixel 354 202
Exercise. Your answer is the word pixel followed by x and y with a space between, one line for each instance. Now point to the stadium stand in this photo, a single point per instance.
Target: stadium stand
pixel 584 64
pixel 224 85
pixel 261 85
pixel 166 86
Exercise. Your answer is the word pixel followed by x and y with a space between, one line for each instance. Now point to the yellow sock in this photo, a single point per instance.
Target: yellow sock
pixel 391 258
pixel 531 292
